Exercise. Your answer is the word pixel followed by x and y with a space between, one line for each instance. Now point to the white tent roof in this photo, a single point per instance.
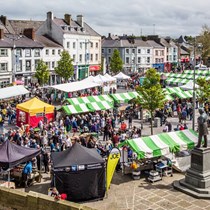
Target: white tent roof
pixel 13 91
pixel 121 76
pixel 75 86
pixel 189 86
pixel 100 79
pixel 89 79
pixel 109 77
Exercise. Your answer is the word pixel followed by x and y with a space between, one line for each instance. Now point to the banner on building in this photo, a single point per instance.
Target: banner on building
pixel 113 159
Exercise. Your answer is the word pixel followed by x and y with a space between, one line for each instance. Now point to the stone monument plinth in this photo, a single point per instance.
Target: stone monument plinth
pixel 197 178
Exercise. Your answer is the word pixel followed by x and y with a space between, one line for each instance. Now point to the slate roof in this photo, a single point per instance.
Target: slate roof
pixel 20 25
pixel 21 41
pixel 154 44
pixel 75 28
pixel 47 41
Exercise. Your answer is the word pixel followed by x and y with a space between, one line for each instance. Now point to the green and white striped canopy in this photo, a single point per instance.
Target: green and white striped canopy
pixel 162 144
pixel 75 109
pixel 103 105
pixel 184 94
pixel 200 72
pixel 173 90
pixel 89 99
pixel 176 81
pixel 124 97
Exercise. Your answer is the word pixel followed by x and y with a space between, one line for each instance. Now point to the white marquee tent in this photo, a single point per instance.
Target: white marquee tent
pixel 75 86
pixel 121 76
pixel 13 91
pixel 189 86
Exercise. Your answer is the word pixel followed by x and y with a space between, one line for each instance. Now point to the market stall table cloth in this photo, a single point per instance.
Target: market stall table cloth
pixel 162 144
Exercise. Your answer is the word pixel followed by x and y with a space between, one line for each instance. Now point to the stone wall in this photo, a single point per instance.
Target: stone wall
pixel 14 199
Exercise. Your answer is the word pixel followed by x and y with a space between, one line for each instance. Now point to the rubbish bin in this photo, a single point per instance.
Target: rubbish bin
pixel 156 122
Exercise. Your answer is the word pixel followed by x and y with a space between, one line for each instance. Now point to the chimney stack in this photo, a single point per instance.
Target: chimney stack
pixel 3 19
pixel 80 20
pixel 30 33
pixel 49 16
pixel 67 18
pixel 1 33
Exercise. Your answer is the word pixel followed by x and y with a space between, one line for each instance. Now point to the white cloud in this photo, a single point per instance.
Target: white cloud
pixel 166 17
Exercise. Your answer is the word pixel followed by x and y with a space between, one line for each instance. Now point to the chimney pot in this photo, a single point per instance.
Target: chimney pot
pixel 50 16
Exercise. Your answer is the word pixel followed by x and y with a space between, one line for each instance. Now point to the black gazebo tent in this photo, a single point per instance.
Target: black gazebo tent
pixel 13 154
pixel 80 173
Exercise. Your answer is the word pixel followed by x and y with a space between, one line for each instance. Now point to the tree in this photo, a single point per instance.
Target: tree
pixel 204 39
pixel 151 94
pixel 42 73
pixel 65 68
pixel 116 63
pixel 203 93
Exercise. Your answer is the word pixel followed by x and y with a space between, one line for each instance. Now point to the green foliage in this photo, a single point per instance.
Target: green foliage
pixel 204 39
pixel 203 93
pixel 151 94
pixel 65 68
pixel 42 73
pixel 116 63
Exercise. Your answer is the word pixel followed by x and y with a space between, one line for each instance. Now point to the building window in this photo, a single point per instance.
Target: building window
pixel 3 67
pixel 127 60
pixel 19 52
pixel 127 51
pixel 96 57
pixel 91 44
pixel 167 58
pixel 53 52
pixel 148 51
pixel 27 52
pixel 139 59
pixel 156 60
pixel 68 45
pixel 74 45
pixel 80 44
pixel 133 51
pixel 19 66
pixel 174 58
pixel 37 53
pixel 80 58
pixel 91 57
pixel 74 57
pixel 109 59
pixel 174 50
pixel 59 52
pixel 148 59
pixel 139 51
pixel 28 65
pixel 48 64
pixel 167 49
pixel 36 63
pixel 47 52
pixel 156 52
pixel 109 51
pixel 102 50
pixel 96 44
pixel 3 52
pixel 53 64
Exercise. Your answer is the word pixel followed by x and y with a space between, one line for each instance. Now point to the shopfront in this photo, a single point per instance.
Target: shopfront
pixel 94 69
pixel 83 71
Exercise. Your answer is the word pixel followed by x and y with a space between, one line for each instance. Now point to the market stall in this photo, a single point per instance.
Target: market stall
pixel 79 172
pixel 124 97
pixel 32 111
pixel 146 149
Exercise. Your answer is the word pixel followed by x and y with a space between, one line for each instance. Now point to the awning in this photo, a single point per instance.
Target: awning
pixel 75 109
pixel 162 144
pixel 94 68
pixel 97 106
pixel 124 97
pixel 13 91
pixel 89 99
pixel 184 94
pixel 173 90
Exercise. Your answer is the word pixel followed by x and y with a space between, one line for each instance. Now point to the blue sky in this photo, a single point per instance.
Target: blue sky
pixel 138 17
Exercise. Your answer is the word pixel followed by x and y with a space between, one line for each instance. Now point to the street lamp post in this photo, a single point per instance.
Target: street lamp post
pixel 194 91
